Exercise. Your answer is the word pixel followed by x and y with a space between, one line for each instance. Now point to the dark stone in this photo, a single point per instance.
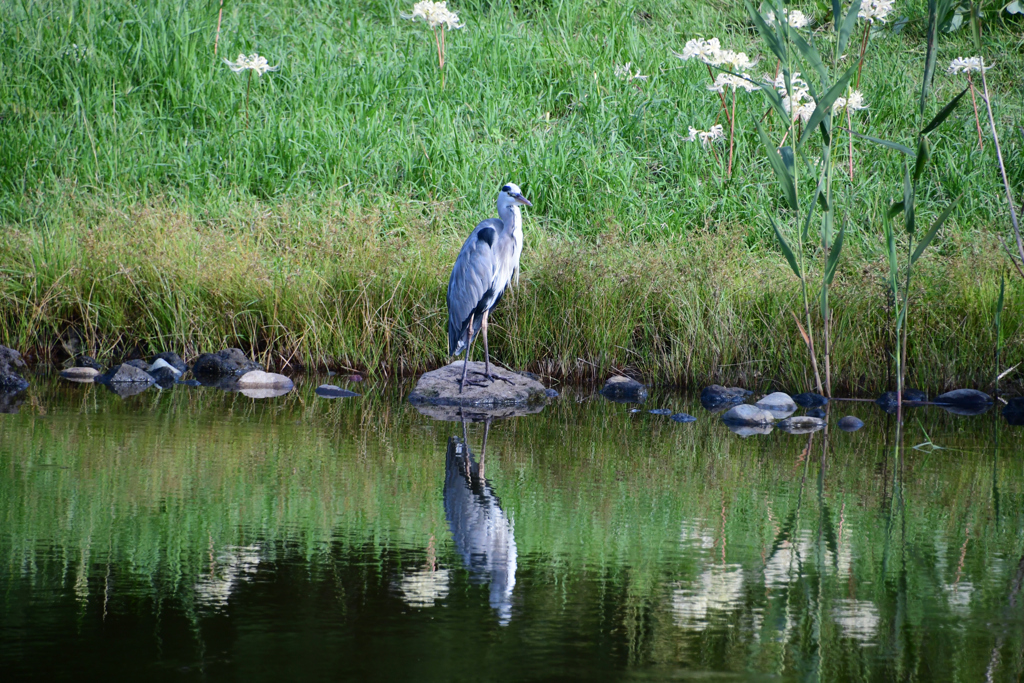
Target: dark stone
pixel 716 396
pixel 190 382
pixel 127 389
pixel 964 398
pixel 10 401
pixel 551 393
pixel 816 412
pixel 682 417
pixel 353 378
pixel 172 359
pixel 228 362
pixel 911 397
pixel 809 399
pixel 531 375
pixel 660 411
pixel 88 362
pixel 138 363
pixel 125 374
pixel 331 391
pixel 10 365
pixel 164 376
pixel 850 423
pixel 1014 411
pixel 624 390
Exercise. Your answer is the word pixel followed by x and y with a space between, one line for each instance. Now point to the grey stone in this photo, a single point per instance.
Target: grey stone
pixel 816 412
pixel 964 398
pixel 331 391
pixel 660 411
pixel 257 379
pixel 850 423
pixel 911 397
pixel 161 364
pixel 800 424
pixel 682 417
pixel 716 396
pixel 551 393
pixel 809 399
pixel 745 414
pixel 226 362
pixel 11 364
pixel 624 390
pixel 172 359
pixel 441 387
pixel 263 392
pixel 125 374
pixel 780 403
pixel 165 376
pixel 127 389
pixel 79 374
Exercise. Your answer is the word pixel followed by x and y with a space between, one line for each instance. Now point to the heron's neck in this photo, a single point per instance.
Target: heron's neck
pixel 511 218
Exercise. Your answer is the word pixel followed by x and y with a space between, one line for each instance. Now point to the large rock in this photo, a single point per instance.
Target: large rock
pixel 172 359
pixel 624 390
pixel 749 415
pixel 779 403
pixel 224 363
pixel 441 387
pixel 964 398
pixel 257 379
pixel 11 364
pixel 716 397
pixel 125 374
pixel 850 423
pixel 79 374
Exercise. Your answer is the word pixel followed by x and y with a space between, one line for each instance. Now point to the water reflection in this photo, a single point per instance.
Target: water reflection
pixel 232 566
pixel 482 532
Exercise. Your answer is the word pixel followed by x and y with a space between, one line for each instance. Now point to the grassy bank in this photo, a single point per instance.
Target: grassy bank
pixel 150 199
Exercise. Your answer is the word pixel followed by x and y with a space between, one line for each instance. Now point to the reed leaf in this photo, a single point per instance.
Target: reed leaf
pixel 885 143
pixel 944 114
pixel 779 166
pixel 822 106
pixel 923 155
pixel 786 251
pixel 846 30
pixel 930 235
pixel 908 200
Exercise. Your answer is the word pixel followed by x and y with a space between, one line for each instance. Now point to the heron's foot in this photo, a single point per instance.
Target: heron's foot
pixel 494 377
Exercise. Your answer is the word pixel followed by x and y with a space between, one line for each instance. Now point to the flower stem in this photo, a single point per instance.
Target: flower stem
pixel 863 47
pixel 732 120
pixel 974 103
pixel 220 15
pixel 849 129
pixel 248 85
pixel 721 95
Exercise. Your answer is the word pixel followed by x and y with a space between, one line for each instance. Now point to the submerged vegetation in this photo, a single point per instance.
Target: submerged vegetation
pixel 148 201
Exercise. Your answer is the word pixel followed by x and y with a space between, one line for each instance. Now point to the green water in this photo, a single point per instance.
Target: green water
pixel 198 534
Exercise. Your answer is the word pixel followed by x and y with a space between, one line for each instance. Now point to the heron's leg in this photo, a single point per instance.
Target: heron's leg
pixel 469 346
pixel 487 353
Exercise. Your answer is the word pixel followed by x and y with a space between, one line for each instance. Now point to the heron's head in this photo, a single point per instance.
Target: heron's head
pixel 511 195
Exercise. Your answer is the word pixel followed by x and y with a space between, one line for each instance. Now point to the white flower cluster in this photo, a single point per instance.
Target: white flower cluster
pixel 724 81
pixel 706 137
pixel 796 18
pixel 435 14
pixel 855 102
pixel 965 65
pixel 875 10
pixel 624 71
pixel 75 52
pixel 251 63
pixel 801 105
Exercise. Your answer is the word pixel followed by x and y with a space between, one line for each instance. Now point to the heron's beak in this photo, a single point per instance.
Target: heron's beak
pixel 522 200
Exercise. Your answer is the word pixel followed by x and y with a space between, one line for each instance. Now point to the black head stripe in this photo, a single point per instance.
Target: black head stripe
pixel 506 189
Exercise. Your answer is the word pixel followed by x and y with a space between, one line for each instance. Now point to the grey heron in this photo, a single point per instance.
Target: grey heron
pixel 487 262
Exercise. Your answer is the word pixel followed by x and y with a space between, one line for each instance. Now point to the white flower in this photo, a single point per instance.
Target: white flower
pixel 724 80
pixel 435 14
pixel 706 137
pixel 799 104
pixel 856 101
pixel 732 61
pixel 796 18
pixel 875 10
pixel 251 63
pixel 965 65
pixel 697 48
pixel 624 72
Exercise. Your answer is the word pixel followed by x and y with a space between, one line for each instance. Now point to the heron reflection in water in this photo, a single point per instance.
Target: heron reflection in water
pixel 482 532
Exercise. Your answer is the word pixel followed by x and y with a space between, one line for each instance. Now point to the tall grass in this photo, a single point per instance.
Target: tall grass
pixel 139 209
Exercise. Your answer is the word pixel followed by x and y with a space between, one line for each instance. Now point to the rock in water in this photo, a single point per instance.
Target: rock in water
pixel 660 411
pixel 748 415
pixel 682 417
pixel 165 376
pixel 965 402
pixel 441 387
pixel 88 362
pixel 624 390
pixel 224 363
pixel 1014 411
pixel 172 359
pixel 810 400
pixel 801 424
pixel 11 364
pixel 331 391
pixel 715 397
pixel 125 374
pixel 161 364
pixel 816 412
pixel 138 363
pixel 850 423
pixel 257 379
pixel 887 401
pixel 780 403
pixel 79 374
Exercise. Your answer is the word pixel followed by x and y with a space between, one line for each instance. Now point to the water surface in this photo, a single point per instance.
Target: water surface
pixel 199 534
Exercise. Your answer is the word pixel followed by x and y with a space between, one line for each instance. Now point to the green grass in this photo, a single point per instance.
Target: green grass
pixel 141 212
